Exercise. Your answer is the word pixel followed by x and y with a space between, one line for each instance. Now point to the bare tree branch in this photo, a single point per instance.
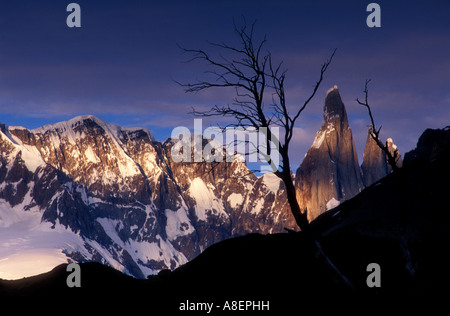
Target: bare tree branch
pixel 375 133
pixel 251 72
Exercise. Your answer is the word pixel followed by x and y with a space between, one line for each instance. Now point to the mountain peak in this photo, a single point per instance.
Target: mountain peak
pixel 335 88
pixel 85 117
pixel 81 119
pixel 90 121
pixel 330 171
pixel 374 165
pixel 70 124
pixel 334 107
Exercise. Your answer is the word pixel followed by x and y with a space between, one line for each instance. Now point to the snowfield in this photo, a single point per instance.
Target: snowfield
pixel 29 247
pixel 205 200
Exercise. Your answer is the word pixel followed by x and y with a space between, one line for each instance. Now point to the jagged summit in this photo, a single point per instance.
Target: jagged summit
pixel 330 172
pixel 334 107
pixel 374 165
pixel 431 144
pixel 77 124
pixel 335 88
pixel 71 124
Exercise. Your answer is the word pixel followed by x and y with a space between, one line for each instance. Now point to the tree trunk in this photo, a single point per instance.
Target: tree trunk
pixel 302 221
pixel 301 218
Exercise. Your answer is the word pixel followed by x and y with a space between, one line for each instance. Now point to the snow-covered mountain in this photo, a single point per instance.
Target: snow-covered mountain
pixel 88 190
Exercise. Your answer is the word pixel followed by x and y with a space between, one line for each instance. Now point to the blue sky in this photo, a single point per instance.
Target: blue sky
pixel 122 63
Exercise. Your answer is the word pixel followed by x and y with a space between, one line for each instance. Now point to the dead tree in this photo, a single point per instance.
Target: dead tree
pixel 252 74
pixel 375 133
pixel 410 264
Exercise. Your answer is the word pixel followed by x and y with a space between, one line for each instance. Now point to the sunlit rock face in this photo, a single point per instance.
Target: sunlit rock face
pixel 330 172
pixel 374 165
pixel 117 197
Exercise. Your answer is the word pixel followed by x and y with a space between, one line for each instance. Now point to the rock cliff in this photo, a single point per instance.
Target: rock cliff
pixel 330 172
pixel 374 165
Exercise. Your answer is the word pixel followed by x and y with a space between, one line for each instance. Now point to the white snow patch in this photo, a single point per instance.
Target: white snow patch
pixel 258 207
pixel 235 199
pixel 320 136
pixel 272 182
pixel 391 143
pixel 30 155
pixel 205 199
pixel 106 255
pixel 332 204
pixel 176 224
pixel 91 156
pixel 332 89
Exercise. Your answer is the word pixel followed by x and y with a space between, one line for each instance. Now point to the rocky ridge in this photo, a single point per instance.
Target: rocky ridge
pixel 126 202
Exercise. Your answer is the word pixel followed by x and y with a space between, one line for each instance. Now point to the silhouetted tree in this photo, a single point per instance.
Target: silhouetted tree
pixel 410 264
pixel 375 133
pixel 250 70
pixel 252 74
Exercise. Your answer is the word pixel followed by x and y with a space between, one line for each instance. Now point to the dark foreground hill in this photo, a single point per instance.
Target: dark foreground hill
pixel 401 223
